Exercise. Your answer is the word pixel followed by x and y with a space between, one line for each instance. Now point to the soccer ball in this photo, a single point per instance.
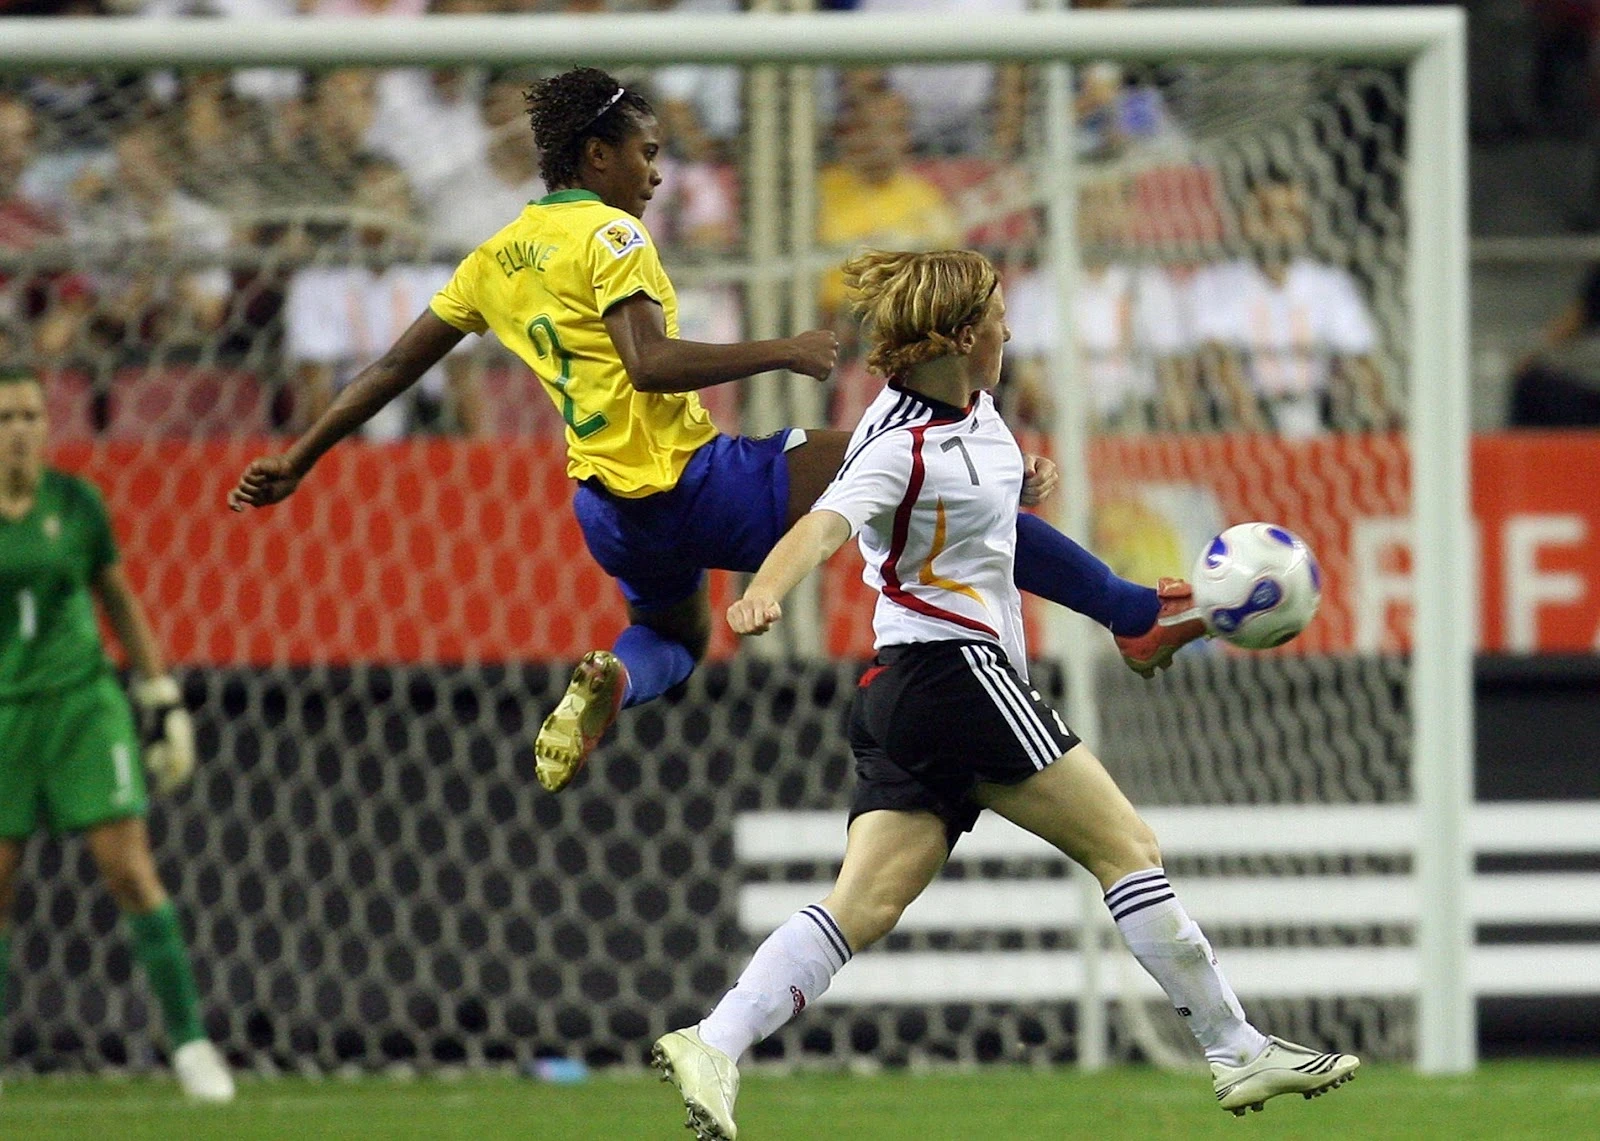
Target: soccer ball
pixel 1257 585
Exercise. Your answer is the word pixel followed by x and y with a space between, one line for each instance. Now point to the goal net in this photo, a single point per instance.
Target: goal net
pixel 197 257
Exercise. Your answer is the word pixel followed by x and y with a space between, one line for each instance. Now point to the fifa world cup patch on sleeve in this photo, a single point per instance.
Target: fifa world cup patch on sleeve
pixel 620 235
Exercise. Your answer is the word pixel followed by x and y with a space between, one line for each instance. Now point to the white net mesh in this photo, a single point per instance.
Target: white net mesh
pixel 368 871
pixel 1242 330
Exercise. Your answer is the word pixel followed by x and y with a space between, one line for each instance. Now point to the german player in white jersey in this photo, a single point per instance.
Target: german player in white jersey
pixel 944 723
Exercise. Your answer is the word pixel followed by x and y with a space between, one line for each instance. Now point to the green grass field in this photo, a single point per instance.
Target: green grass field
pixel 1503 1101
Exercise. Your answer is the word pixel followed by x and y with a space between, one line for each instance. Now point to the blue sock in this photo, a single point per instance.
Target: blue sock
pixel 1052 566
pixel 655 663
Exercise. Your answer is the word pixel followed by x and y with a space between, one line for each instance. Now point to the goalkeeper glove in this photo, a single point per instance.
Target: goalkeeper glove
pixel 1178 622
pixel 166 731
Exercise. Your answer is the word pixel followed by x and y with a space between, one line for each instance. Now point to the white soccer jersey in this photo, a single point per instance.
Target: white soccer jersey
pixel 933 492
pixel 1288 334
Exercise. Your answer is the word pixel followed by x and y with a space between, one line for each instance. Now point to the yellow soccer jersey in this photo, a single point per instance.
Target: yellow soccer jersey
pixel 543 284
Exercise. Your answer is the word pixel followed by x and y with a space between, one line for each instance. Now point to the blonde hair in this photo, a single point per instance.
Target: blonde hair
pixel 915 304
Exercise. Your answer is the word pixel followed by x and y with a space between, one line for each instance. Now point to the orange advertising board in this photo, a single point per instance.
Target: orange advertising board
pixel 437 550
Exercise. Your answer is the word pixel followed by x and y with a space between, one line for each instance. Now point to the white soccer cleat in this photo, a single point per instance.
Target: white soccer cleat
pixel 202 1072
pixel 1282 1067
pixel 706 1077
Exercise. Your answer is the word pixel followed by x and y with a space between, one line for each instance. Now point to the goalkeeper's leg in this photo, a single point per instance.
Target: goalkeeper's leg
pixel 10 861
pixel 121 850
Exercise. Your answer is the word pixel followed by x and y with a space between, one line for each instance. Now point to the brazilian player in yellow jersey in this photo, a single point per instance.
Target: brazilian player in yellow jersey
pixel 574 285
pixel 69 750
pixel 544 284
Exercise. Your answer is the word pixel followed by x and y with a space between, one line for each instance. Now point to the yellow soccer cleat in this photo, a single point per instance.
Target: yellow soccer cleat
pixel 706 1077
pixel 590 705
pixel 1282 1067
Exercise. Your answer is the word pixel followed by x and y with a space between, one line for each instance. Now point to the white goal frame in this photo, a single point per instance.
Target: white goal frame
pixel 1429 42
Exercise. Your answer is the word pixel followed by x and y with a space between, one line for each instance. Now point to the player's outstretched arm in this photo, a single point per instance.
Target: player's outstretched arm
pixel 271 479
pixel 659 363
pixel 806 546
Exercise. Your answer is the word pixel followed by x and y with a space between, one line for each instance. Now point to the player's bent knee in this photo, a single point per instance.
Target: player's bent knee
pixel 698 643
pixel 8 893
pixel 1133 849
pixel 133 883
pixel 1138 850
pixel 691 629
pixel 866 921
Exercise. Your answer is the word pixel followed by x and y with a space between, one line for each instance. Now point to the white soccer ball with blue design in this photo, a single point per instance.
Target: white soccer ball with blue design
pixel 1257 585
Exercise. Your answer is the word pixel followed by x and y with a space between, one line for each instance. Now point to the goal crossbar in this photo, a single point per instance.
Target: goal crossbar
pixel 1383 35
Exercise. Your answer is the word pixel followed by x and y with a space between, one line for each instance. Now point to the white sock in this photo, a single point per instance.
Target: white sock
pixel 790 969
pixel 1173 949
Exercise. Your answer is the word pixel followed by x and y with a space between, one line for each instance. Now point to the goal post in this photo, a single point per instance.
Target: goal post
pixel 1429 43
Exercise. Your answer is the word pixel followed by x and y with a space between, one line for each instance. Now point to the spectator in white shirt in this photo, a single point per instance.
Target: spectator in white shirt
pixel 493 185
pixel 701 107
pixel 1134 326
pixel 1289 341
pixel 430 123
pixel 338 317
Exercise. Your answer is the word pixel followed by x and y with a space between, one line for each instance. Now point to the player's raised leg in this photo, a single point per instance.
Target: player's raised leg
pixel 726 512
pixel 121 850
pixel 810 466
pixel 890 858
pixel 658 649
pixel 1075 805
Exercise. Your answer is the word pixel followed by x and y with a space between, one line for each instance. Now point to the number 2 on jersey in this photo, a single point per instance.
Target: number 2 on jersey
pixel 542 334
pixel 27 615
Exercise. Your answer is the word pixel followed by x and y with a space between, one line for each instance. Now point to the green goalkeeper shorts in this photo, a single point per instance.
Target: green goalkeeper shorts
pixel 69 759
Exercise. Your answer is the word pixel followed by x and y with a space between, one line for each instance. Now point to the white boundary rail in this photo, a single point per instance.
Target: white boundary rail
pixel 1429 42
pixel 1506 898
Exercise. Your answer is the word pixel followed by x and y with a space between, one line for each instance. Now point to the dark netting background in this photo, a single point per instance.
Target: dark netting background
pixel 371 876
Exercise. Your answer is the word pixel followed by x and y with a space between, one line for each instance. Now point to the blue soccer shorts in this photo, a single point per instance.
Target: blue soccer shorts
pixel 726 513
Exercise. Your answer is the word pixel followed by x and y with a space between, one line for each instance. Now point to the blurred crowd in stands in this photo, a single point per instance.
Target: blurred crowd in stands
pixel 169 242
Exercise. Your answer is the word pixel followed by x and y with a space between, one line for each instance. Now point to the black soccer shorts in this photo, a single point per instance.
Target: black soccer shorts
pixel 931 720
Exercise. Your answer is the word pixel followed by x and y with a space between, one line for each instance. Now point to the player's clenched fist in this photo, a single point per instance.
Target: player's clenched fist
pixel 269 479
pixel 815 353
pixel 754 615
pixel 1040 478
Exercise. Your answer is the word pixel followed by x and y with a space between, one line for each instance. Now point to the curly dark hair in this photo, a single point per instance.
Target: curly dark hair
pixel 577 105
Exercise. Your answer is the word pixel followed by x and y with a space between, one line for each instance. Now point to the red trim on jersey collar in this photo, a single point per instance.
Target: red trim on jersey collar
pixel 892 589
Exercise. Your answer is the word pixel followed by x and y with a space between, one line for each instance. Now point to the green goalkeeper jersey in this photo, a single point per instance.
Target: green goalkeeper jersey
pixel 49 638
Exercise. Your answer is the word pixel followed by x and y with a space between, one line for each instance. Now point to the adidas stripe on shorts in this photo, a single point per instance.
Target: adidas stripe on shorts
pixel 932 719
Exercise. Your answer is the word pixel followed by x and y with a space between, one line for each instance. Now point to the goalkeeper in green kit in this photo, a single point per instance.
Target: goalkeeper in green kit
pixel 70 754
